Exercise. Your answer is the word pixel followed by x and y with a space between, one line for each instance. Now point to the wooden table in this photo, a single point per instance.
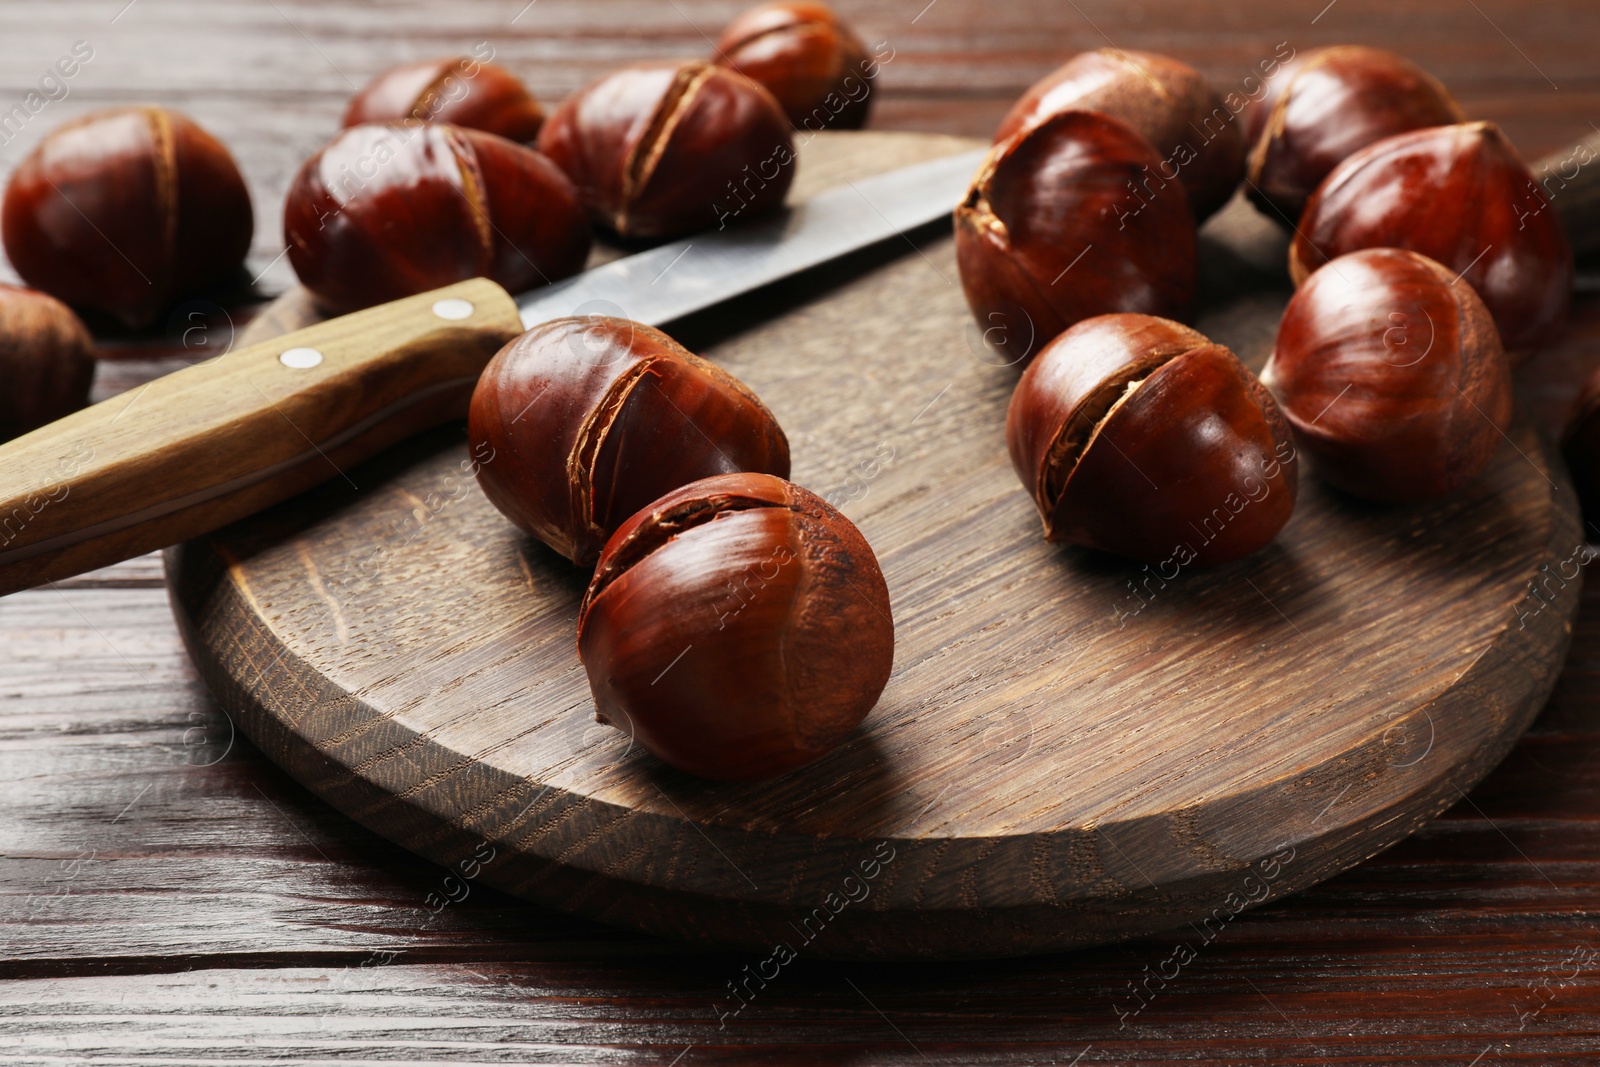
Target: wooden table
pixel 168 896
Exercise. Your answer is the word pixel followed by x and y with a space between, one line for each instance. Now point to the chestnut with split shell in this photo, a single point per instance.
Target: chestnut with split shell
pixel 1168 103
pixel 590 419
pixel 813 63
pixel 385 211
pixel 737 628
pixel 1461 196
pixel 1325 106
pixel 663 149
pixel 1137 436
pixel 1392 376
pixel 462 91
pixel 1067 220
pixel 126 212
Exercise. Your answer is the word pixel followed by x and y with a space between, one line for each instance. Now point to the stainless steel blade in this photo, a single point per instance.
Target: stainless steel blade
pixel 675 279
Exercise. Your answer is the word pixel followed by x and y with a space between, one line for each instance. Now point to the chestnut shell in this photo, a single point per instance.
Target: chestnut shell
pixel 590 419
pixel 1136 436
pixel 1051 232
pixel 127 211
pixel 663 149
pixel 1167 102
pixel 1392 376
pixel 490 98
pixel 441 204
pixel 1323 107
pixel 738 628
pixel 801 52
pixel 46 361
pixel 1459 195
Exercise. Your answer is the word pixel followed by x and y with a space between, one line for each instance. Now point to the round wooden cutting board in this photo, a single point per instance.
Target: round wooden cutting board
pixel 1072 749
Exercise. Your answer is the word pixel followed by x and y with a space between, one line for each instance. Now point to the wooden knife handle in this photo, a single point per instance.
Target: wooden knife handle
pixel 204 446
pixel 1570 178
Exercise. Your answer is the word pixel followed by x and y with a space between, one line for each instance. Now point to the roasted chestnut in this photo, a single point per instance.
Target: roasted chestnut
pixel 387 211
pixel 1138 436
pixel 814 64
pixel 1070 219
pixel 463 91
pixel 737 628
pixel 1391 375
pixel 1168 103
pixel 46 361
pixel 127 211
pixel 664 149
pixel 1322 108
pixel 589 419
pixel 1459 195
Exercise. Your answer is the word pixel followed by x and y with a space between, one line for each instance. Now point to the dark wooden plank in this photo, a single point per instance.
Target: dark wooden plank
pixel 550 1013
pixel 1421 956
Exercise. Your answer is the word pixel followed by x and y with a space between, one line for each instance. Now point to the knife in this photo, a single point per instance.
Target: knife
pixel 210 444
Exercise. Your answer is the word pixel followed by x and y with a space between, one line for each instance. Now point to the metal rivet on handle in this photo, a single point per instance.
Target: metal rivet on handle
pixel 453 309
pixel 300 358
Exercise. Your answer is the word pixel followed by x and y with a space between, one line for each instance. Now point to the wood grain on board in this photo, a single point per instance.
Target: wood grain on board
pixel 157 909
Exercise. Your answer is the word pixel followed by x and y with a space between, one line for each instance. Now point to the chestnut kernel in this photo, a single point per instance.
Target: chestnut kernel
pixel 813 63
pixel 1138 436
pixel 1459 195
pixel 1392 376
pixel 1325 106
pixel 126 212
pixel 462 91
pixel 387 211
pixel 1067 220
pixel 737 628
pixel 590 419
pixel 1168 103
pixel 661 150
pixel 46 361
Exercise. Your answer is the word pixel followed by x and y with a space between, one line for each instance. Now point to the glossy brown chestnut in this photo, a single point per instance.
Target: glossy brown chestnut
pixel 1325 106
pixel 590 419
pixel 46 361
pixel 386 211
pixel 815 65
pixel 462 91
pixel 127 211
pixel 1581 449
pixel 663 149
pixel 1067 220
pixel 1459 195
pixel 1168 103
pixel 1391 376
pixel 737 628
pixel 1138 436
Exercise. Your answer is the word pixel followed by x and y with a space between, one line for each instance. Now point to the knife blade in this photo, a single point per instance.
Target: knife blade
pixel 213 443
pixel 673 280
